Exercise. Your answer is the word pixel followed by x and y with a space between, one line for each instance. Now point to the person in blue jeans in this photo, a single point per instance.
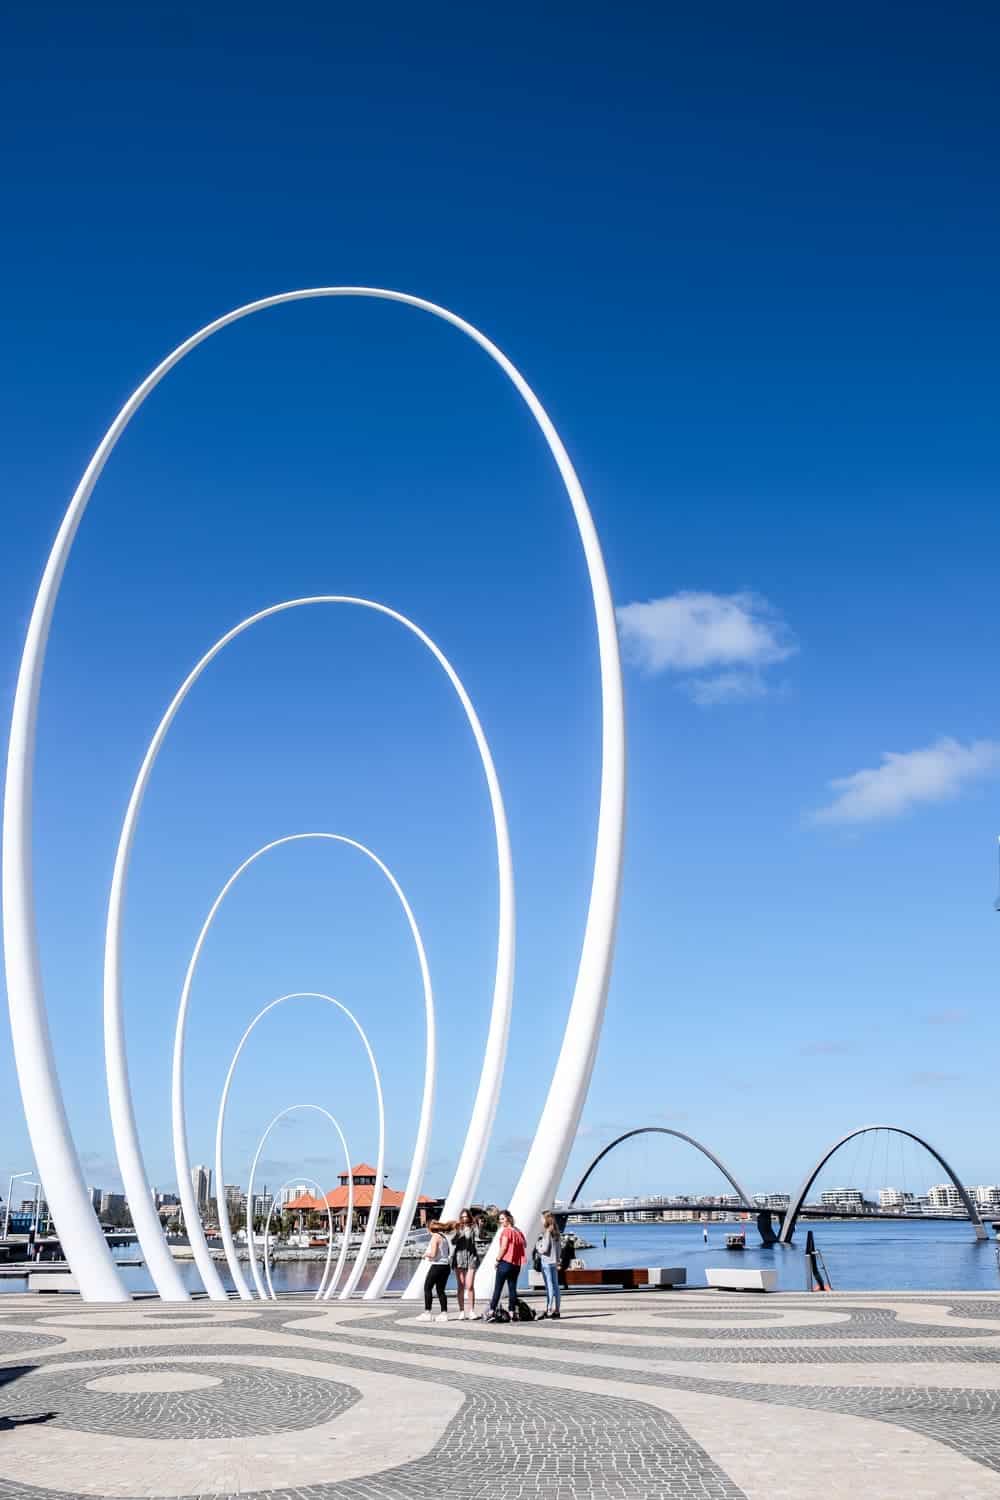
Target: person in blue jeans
pixel 511 1256
pixel 549 1249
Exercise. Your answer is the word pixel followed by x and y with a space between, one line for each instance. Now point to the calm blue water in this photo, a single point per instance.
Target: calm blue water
pixel 878 1256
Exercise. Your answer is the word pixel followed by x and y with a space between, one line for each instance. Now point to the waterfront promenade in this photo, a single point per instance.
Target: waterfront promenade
pixel 692 1394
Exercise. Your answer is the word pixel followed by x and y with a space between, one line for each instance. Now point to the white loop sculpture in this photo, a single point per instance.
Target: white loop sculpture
pixel 309 1182
pixel 44 1106
pixel 123 1122
pixel 220 1126
pixel 182 1160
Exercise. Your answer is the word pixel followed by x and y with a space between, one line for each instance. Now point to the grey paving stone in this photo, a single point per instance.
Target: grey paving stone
pixel 511 1442
pixel 504 1444
pixel 247 1402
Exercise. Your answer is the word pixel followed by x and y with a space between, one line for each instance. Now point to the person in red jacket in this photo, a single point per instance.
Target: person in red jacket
pixel 511 1255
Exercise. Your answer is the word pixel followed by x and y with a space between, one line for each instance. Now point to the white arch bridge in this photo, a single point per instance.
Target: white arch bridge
pixel 787 1218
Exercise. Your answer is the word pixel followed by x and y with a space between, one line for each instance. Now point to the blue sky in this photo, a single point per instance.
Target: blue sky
pixel 749 265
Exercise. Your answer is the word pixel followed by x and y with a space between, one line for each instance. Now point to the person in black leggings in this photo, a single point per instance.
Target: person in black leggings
pixel 438 1256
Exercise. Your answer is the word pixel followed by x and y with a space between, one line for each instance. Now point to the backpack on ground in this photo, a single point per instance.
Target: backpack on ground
pixel 523 1312
pixel 500 1316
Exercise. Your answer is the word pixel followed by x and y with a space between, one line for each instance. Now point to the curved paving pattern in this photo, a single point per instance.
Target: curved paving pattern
pixel 862 1323
pixel 16 1341
pixel 736 1349
pixel 583 1408
pixel 733 1315
pixel 505 1443
pixel 241 1402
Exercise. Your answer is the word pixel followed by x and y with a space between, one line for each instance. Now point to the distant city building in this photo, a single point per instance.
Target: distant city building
pixel 95 1199
pixel 987 1197
pixel 201 1186
pixel 897 1199
pixel 847 1198
pixel 165 1200
pixel 943 1196
pixel 29 1207
pixel 236 1199
pixel 112 1205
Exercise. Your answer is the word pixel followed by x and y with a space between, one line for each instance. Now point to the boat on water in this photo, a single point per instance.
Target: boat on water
pixel 736 1241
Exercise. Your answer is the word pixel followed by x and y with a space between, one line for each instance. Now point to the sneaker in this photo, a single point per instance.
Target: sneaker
pixel 424 1317
pixel 463 1316
pixel 553 1315
pixel 541 1315
pixel 441 1318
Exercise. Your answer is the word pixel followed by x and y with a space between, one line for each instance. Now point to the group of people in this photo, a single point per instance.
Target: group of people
pixel 453 1246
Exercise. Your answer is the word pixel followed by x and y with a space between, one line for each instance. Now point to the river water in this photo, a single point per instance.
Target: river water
pixel 875 1256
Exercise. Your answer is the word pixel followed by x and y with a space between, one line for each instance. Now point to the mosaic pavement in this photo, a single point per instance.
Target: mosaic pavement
pixel 640 1396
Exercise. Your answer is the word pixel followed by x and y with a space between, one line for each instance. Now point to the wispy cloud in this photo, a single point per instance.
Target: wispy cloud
pixel 953 1017
pixel 600 1128
pixel 828 1047
pixel 932 1080
pixel 728 687
pixel 720 644
pixel 515 1145
pixel 101 1170
pixel 907 778
pixel 271 1167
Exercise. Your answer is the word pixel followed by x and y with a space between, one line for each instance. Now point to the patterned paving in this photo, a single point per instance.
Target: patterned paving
pixel 684 1394
pixel 239 1401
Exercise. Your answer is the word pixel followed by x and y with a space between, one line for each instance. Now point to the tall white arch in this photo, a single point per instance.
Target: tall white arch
pixel 123 1122
pixel 322 1290
pixel 44 1105
pixel 225 1229
pixel 309 1182
pixel 182 1160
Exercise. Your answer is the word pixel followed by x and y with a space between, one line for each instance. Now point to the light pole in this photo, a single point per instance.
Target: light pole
pixel 16 1177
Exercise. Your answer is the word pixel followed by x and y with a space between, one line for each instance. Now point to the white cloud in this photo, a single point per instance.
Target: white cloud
pixel 729 639
pixel 727 687
pixel 905 779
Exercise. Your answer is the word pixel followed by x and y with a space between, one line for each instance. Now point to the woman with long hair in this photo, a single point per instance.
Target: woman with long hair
pixel 549 1250
pixel 510 1258
pixel 465 1259
pixel 438 1257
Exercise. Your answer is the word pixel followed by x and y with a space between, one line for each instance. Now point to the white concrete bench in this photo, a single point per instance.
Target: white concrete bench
pixel 751 1280
pixel 667 1275
pixel 52 1281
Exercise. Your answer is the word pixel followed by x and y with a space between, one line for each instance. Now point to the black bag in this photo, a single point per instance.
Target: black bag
pixel 536 1261
pixel 523 1313
pixel 500 1316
